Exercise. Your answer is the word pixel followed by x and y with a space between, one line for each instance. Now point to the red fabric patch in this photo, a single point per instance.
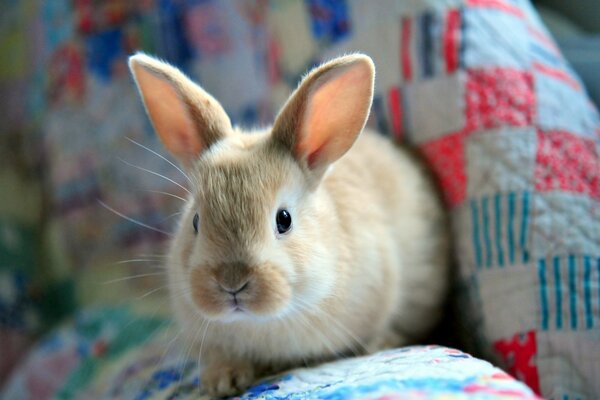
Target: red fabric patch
pixel 452 40
pixel 394 100
pixel 499 97
pixel 519 354
pixel 567 162
pixel 446 157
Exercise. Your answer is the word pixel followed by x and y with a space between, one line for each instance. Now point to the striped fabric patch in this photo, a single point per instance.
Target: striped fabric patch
pixel 500 5
pixel 569 292
pixel 431 44
pixel 557 73
pixel 500 228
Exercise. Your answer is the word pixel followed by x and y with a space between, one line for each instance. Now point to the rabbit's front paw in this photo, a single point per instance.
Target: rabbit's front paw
pixel 227 379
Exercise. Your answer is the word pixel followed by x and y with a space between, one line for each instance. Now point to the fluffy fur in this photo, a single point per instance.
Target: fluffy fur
pixel 364 266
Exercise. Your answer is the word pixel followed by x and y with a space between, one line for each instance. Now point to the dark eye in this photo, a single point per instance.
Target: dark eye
pixel 195 222
pixel 283 220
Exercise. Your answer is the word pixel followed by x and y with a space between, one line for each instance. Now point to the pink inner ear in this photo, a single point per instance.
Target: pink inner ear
pixel 313 158
pixel 336 110
pixel 169 115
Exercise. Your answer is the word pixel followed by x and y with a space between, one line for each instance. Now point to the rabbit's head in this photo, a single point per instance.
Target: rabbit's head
pixel 256 237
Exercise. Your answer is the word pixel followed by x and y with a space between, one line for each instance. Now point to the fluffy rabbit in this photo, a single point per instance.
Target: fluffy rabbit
pixel 301 242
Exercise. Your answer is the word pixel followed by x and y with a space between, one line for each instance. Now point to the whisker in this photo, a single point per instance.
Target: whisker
pixel 153 255
pixel 293 334
pixel 137 260
pixel 171 216
pixel 133 320
pixel 151 292
pixel 156 174
pixel 166 351
pixel 167 194
pixel 324 339
pixel 155 330
pixel 336 321
pixel 202 341
pixel 132 277
pixel 103 204
pixel 187 352
pixel 336 329
pixel 159 155
pixel 201 346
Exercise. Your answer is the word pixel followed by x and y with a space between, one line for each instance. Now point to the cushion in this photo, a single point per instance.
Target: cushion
pixel 477 85
pixel 121 352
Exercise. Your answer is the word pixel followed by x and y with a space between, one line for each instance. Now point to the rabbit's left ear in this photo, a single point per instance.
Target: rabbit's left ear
pixel 187 119
pixel 325 115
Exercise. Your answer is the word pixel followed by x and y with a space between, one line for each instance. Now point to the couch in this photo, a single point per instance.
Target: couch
pixel 479 87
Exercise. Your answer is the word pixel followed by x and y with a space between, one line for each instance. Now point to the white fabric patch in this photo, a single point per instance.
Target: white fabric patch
pixel 436 107
pixel 500 160
pixel 564 223
pixel 561 107
pixel 509 300
pixel 495 39
pixel 579 379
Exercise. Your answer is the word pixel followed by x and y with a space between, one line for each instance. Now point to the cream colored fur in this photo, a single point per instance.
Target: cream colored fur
pixel 365 265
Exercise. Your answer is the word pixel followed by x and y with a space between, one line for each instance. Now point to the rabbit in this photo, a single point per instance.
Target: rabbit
pixel 303 242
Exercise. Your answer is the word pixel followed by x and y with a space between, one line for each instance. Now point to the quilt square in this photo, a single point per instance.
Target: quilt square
pixel 561 104
pixel 507 31
pixel 499 97
pixel 499 227
pixel 446 158
pixel 436 106
pixel 500 160
pixel 509 300
pixel 569 292
pixel 578 373
pixel 567 162
pixel 564 223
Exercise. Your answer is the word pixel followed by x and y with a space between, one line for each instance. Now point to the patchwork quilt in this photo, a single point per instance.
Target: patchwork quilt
pixel 119 353
pixel 478 86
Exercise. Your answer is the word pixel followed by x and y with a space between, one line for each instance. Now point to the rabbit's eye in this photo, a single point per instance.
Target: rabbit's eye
pixel 195 222
pixel 283 220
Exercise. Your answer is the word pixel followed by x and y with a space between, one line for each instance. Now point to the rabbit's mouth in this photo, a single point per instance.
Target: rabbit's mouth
pixel 236 305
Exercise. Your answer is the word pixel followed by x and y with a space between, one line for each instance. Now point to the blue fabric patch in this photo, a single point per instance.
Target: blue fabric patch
pixel 330 19
pixel 103 49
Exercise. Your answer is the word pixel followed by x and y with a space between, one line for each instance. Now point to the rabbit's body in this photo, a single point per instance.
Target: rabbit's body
pixel 384 231
pixel 362 263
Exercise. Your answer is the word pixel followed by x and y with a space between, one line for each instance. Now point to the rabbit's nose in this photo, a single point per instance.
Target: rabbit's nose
pixel 232 277
pixel 234 290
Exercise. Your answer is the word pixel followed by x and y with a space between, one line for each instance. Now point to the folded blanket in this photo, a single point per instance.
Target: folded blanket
pixel 107 353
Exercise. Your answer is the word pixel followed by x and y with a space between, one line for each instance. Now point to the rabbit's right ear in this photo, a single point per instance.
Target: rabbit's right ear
pixel 327 112
pixel 186 118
